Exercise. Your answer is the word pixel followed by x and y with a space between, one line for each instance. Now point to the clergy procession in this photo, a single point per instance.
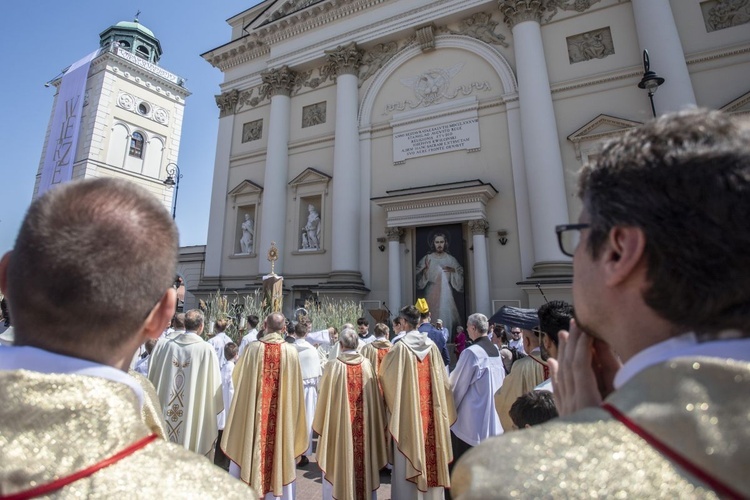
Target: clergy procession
pixel 638 389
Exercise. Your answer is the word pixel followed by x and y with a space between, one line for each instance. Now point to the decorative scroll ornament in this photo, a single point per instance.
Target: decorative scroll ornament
pixel 541 11
pixel 375 58
pixel 426 38
pixel 482 27
pixel 394 233
pixel 227 102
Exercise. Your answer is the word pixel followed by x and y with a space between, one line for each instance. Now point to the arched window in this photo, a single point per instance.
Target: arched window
pixel 142 51
pixel 124 44
pixel 136 145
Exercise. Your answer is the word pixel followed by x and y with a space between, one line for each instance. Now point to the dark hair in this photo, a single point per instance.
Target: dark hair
pixel 410 315
pixel 555 316
pixel 684 180
pixel 362 321
pixel 253 320
pixel 178 321
pixel 73 241
pixel 230 351
pixel 434 234
pixel 533 408
pixel 300 329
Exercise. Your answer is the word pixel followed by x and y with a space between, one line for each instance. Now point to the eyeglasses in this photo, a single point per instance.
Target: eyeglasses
pixel 568 237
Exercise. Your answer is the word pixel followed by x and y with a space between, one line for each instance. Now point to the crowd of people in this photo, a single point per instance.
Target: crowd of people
pixel 639 391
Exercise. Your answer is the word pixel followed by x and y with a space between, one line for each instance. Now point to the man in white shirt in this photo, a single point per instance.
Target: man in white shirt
pixel 219 340
pixel 363 330
pixel 439 327
pixel 662 279
pixel 252 335
pixel 479 373
pixel 231 353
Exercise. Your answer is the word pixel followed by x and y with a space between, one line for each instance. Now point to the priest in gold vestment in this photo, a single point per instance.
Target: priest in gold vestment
pixel 185 372
pixel 376 350
pixel 350 419
pixel 418 396
pixel 651 381
pixel 266 428
pixel 71 423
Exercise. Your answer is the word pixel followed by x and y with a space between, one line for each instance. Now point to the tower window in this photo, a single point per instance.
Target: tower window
pixel 136 145
pixel 142 51
pixel 124 44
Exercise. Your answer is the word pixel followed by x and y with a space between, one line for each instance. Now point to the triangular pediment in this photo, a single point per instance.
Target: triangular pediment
pixel 310 176
pixel 246 187
pixel 600 127
pixel 287 12
pixel 739 106
pixel 593 134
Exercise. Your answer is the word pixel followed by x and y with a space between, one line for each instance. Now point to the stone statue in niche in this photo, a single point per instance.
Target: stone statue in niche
pixel 248 233
pixel 312 115
pixel 311 231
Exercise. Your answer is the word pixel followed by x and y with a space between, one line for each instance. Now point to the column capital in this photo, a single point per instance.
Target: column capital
pixel 518 11
pixel 394 233
pixel 280 81
pixel 479 227
pixel 345 58
pixel 227 102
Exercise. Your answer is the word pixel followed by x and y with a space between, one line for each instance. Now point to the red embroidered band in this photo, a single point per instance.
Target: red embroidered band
pixel 45 489
pixel 717 485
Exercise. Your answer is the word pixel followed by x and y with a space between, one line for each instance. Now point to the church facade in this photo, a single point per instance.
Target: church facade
pixel 396 149
pixel 131 119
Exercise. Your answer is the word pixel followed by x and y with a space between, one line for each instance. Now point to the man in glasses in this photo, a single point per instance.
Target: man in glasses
pixel 662 279
pixel 71 416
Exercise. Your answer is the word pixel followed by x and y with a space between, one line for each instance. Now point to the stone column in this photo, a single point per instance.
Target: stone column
pixel 345 265
pixel 657 32
pixel 478 230
pixel 541 142
pixel 227 103
pixel 394 235
pixel 273 210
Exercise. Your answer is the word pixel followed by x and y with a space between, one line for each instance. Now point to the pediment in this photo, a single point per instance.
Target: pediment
pixel 310 176
pixel 739 106
pixel 595 132
pixel 287 12
pixel 246 187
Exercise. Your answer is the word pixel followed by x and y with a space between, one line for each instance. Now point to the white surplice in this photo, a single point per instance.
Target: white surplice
pixel 309 362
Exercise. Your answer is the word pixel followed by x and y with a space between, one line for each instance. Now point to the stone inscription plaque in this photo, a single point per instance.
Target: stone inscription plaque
pixel 452 136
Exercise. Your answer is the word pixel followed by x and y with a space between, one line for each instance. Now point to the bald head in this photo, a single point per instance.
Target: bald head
pixel 275 322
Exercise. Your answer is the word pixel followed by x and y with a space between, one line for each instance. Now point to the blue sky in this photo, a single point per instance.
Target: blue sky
pixel 38 45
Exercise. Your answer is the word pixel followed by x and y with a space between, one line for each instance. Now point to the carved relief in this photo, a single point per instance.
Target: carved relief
pixel 722 14
pixel 375 58
pixel 252 131
pixel 479 226
pixel 482 27
pixel 314 114
pixel 541 11
pixel 291 7
pixel 595 44
pixel 433 86
pixel 142 107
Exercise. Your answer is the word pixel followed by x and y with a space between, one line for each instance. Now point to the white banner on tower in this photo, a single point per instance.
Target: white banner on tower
pixel 66 123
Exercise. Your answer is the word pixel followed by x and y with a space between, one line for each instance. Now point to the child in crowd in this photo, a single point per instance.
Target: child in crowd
pixel 533 408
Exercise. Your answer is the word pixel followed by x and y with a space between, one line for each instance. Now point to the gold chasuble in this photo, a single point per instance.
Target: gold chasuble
pixel 76 436
pixel 678 429
pixel 350 419
pixel 375 351
pixel 266 428
pixel 418 395
pixel 526 374
pixel 185 373
pixel 151 410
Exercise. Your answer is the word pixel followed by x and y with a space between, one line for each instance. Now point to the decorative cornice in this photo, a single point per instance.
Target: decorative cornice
pixel 479 227
pixel 345 58
pixel 281 81
pixel 394 233
pixel 518 11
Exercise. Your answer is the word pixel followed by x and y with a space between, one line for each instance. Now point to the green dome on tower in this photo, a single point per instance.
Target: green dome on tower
pixel 133 37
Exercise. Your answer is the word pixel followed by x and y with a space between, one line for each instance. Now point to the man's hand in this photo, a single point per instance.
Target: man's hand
pixel 584 371
pixel 447 269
